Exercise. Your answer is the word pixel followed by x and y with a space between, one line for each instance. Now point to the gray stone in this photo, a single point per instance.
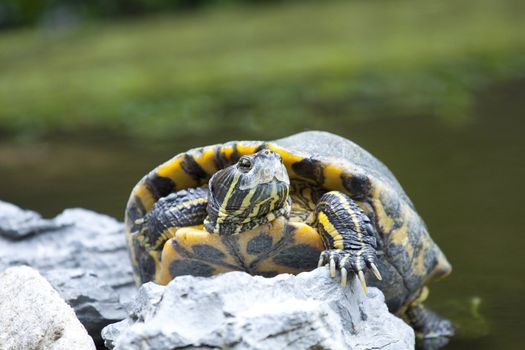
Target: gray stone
pixel 16 223
pixel 34 316
pixel 83 254
pixel 95 302
pixel 239 311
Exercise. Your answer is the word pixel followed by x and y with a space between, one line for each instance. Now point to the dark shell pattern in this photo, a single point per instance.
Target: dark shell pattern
pixel 408 257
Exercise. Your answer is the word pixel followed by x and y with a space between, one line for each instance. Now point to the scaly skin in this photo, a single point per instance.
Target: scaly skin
pixel 315 160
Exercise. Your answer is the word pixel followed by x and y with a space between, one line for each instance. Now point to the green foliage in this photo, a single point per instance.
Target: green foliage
pixel 270 69
pixel 30 12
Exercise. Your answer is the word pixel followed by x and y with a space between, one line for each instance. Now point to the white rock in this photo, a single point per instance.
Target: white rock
pixel 34 316
pixel 17 223
pixel 239 311
pixel 82 254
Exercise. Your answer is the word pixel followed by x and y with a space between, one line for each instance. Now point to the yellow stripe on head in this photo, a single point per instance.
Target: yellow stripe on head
pixel 222 209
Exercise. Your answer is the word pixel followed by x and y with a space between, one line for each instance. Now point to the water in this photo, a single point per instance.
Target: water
pixel 465 180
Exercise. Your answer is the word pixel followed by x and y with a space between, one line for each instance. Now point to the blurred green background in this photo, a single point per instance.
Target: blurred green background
pixel 179 74
pixel 95 94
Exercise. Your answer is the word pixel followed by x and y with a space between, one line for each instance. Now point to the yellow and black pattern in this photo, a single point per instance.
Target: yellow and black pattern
pixel 342 224
pixel 348 235
pixel 186 170
pixel 233 210
pixel 304 197
pixel 180 209
pixel 270 249
pixel 409 257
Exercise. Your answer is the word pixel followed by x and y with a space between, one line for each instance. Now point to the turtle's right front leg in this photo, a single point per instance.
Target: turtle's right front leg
pixel 179 209
pixel 348 236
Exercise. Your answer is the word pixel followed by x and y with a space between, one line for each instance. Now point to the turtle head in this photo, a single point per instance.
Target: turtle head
pixel 250 193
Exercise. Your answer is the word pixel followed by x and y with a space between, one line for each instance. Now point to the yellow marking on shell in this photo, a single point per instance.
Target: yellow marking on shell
pixel 384 221
pixel 145 196
pixel 163 272
pixel 331 230
pixel 306 234
pixel 409 248
pixel 166 235
pixel 187 237
pixel 302 235
pixel 206 160
pixel 274 229
pixel 172 169
pixel 332 177
pixel 399 236
pixel 246 148
pixel 288 158
pixel 418 263
pixel 227 151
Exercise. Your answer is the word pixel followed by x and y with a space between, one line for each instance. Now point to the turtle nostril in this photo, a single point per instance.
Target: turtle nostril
pixel 266 152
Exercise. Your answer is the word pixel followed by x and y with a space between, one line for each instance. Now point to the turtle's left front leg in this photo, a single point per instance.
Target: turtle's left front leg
pixel 348 236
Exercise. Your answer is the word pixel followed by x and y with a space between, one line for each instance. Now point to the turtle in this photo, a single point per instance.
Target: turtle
pixel 286 206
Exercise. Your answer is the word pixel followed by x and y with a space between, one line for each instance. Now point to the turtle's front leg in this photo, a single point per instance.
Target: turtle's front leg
pixel 348 236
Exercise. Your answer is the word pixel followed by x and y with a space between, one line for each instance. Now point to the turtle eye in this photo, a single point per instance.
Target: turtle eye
pixel 245 164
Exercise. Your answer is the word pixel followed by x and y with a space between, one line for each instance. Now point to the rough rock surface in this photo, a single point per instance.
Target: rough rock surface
pixel 34 316
pixel 83 254
pixel 16 223
pixel 239 311
pixel 96 303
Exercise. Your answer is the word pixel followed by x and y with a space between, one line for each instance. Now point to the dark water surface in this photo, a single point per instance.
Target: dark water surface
pixel 465 180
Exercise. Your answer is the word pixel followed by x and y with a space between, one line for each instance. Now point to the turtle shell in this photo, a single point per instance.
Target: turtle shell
pixel 408 257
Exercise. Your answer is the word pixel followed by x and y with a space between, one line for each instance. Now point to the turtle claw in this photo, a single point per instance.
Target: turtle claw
pixel 361 276
pixel 332 267
pixel 376 271
pixel 321 260
pixel 349 261
pixel 344 277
